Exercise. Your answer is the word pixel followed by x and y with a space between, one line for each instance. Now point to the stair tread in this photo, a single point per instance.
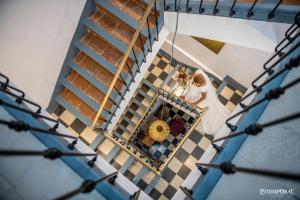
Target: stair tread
pixel 121 15
pixel 152 184
pixel 113 153
pixel 99 72
pixel 83 111
pixel 140 174
pixel 127 164
pixel 134 113
pixel 116 27
pixel 124 128
pixel 146 82
pixel 96 141
pixel 129 121
pixel 88 89
pixel 139 104
pixel 103 48
pixel 144 94
pixel 134 9
pixel 98 58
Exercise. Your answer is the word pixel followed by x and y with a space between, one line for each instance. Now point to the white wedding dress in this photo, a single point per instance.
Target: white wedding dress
pixel 217 113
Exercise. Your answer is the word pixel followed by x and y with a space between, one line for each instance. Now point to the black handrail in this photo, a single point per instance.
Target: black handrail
pixel 293 63
pixel 50 153
pixel 156 22
pixel 6 81
pixel 142 46
pixel 271 14
pixel 288 38
pixel 296 23
pixel 216 10
pixel 149 35
pixel 250 12
pixel 5 86
pixel 20 100
pixel 187 192
pixel 127 88
pixel 232 12
pixel 274 93
pixel 229 168
pixel 135 196
pixel 274 64
pixel 166 7
pixel 88 186
pixel 203 170
pixel 119 93
pixel 187 8
pixel 130 72
pixel 280 51
pixel 136 60
pixel 36 115
pixel 254 129
pixel 201 9
pixel 22 126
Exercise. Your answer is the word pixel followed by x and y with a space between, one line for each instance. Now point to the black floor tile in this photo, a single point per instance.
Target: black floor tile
pixel 182 155
pixel 235 98
pixel 155 194
pixel 195 136
pixel 78 126
pixel 169 192
pixel 129 175
pixel 163 75
pixel 59 110
pixel 183 171
pixel 142 185
pixel 197 152
pixel 124 123
pixel 151 78
pixel 161 64
pixel 223 100
pixel 168 175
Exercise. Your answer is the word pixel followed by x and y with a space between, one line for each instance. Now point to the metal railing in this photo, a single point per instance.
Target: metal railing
pixel 229 168
pixel 33 114
pixel 274 93
pixel 137 36
pixel 180 102
pixel 51 153
pixel 88 186
pixel 254 129
pixel 229 8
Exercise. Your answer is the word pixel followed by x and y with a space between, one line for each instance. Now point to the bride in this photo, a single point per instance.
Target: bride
pixel 201 93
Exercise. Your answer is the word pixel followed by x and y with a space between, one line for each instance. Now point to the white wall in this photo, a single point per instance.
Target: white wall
pixel 241 63
pixel 34 39
pixel 252 34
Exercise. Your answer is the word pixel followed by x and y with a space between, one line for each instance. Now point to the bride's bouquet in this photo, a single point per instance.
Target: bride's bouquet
pixel 182 76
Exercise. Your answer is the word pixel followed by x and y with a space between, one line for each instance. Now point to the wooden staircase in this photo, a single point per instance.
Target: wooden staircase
pixel 109 29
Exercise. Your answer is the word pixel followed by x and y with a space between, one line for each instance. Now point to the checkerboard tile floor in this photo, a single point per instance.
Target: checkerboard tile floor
pixel 187 155
pixel 74 125
pixel 180 166
pixel 230 96
pixel 160 151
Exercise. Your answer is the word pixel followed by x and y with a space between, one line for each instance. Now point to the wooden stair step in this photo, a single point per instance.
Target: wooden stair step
pixel 116 27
